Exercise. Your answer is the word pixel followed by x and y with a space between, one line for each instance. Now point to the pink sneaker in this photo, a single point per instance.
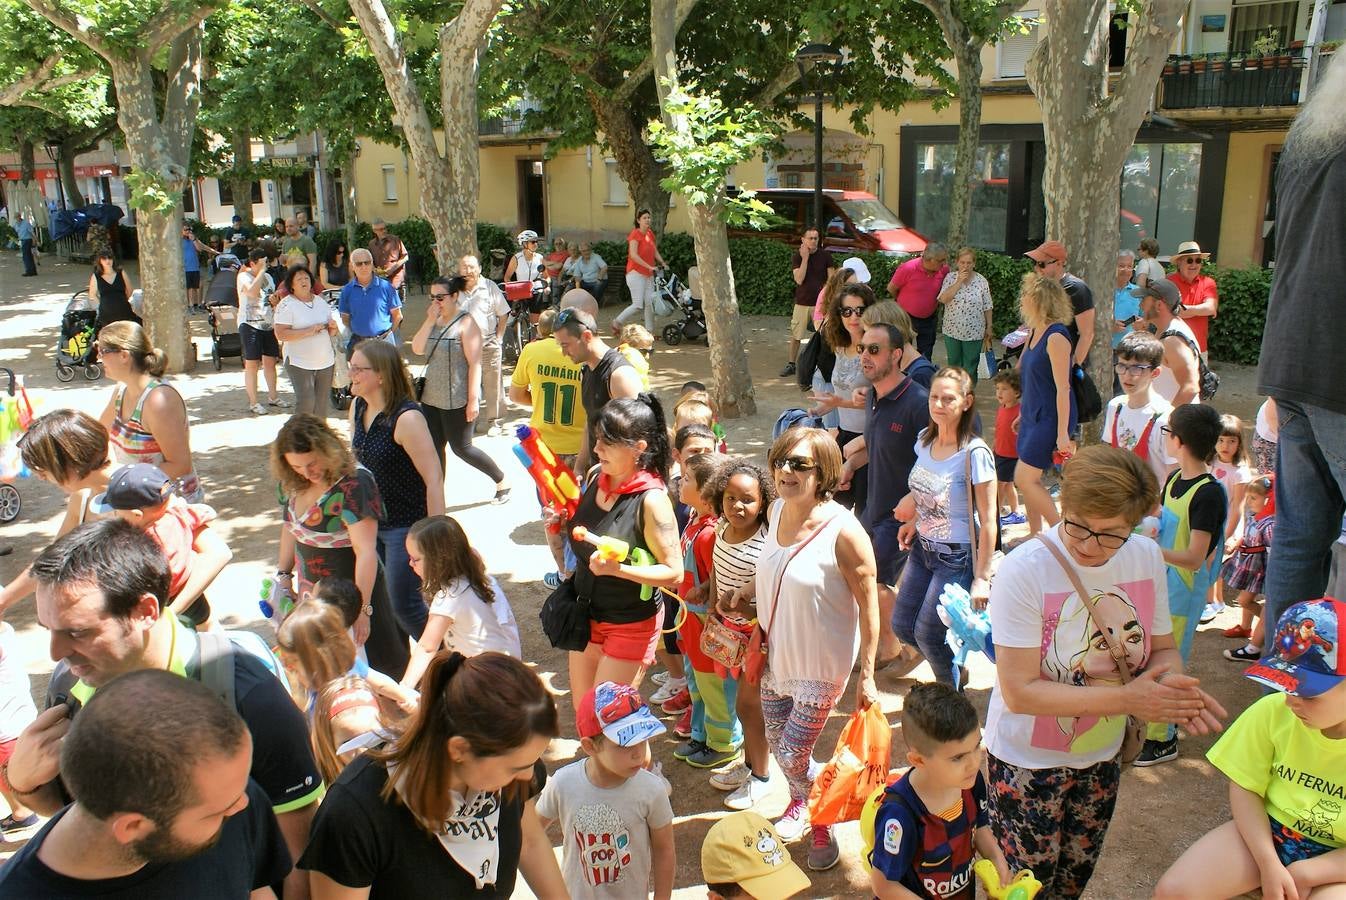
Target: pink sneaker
pixel 792 823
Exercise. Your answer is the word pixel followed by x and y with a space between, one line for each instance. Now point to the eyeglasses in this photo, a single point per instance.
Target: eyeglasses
pixel 1131 368
pixel 362 262
pixel 1165 430
pixel 848 311
pixel 872 349
pixel 794 464
pixel 352 367
pixel 1104 539
pixel 1045 263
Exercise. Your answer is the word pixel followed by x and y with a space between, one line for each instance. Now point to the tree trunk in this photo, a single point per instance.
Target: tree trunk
pixel 641 172
pixel 731 385
pixel 241 144
pixel 27 161
pixel 65 166
pixel 1089 125
pixel 968 56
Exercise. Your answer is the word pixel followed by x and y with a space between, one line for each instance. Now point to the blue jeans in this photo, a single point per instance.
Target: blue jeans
pixel 404 585
pixel 29 260
pixel 1310 487
pixel 916 613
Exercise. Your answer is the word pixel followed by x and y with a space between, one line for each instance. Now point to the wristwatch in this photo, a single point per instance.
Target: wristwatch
pixel 368 609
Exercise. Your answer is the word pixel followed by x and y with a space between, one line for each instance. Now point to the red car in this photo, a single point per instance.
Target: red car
pixel 857 222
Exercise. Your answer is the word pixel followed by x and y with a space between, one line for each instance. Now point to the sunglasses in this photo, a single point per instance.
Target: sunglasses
pixel 1104 539
pixel 794 464
pixel 434 296
pixel 1045 263
pixel 568 315
pixel 1131 369
pixel 848 311
pixel 872 349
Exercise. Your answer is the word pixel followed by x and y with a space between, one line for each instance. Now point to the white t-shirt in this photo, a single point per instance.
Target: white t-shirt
pixel 253 310
pixel 313 352
pixel 1151 268
pixel 478 626
pixel 1165 385
pixel 1033 605
pixel 1231 475
pixel 939 487
pixel 606 845
pixel 16 699
pixel 1124 425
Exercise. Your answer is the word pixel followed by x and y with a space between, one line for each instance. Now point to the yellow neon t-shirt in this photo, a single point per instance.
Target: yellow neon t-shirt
pixel 553 380
pixel 1298 772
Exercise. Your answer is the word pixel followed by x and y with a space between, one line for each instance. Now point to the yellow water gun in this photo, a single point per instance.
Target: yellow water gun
pixel 1023 886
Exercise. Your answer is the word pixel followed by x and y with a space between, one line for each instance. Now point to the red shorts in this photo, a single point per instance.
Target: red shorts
pixel 6 751
pixel 632 641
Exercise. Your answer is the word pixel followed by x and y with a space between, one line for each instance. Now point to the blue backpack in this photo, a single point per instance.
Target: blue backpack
pixel 792 417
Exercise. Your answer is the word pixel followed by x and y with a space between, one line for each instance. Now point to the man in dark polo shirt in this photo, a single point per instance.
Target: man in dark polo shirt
pixel 810 267
pixel 898 409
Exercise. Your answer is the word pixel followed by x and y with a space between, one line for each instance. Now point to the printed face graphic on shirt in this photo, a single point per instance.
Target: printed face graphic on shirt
pixel 1075 651
pixel 603 843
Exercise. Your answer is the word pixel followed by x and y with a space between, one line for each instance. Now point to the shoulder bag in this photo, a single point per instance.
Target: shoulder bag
pixel 1134 737
pixel 565 617
pixel 418 383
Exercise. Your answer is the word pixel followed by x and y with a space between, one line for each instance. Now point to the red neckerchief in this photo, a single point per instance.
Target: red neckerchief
pixel 638 481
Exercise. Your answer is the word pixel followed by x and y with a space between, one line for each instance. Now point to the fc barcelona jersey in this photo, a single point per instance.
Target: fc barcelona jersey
pixel 927 853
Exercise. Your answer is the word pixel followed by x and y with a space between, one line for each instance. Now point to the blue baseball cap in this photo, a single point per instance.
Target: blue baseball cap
pixel 1306 657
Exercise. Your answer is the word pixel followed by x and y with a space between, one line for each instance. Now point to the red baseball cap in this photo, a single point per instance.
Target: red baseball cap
pixel 1048 251
pixel 618 712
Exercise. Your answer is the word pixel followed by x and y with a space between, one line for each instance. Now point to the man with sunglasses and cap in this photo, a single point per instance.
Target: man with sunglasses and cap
pixel 1179 378
pixel 1200 299
pixel 1049 259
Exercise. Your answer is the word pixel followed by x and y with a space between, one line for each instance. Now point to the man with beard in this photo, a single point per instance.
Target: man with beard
pixel 102 591
pixel 163 805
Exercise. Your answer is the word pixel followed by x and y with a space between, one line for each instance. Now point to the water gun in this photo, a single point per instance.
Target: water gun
pixel 969 629
pixel 613 548
pixel 275 601
pixel 1022 887
pixel 555 482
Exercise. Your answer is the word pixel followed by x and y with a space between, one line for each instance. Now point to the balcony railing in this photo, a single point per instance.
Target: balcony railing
pixel 500 127
pixel 1233 80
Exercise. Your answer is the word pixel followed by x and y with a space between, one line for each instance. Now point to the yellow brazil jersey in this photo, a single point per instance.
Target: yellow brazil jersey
pixel 553 380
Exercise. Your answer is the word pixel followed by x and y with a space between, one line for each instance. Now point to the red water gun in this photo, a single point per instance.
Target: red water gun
pixel 555 482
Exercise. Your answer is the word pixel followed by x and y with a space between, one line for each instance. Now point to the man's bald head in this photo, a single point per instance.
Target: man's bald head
pixel 580 299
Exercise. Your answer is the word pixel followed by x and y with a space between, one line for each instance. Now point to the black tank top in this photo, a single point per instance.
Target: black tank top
pixel 399 482
pixel 594 392
pixel 113 303
pixel 612 599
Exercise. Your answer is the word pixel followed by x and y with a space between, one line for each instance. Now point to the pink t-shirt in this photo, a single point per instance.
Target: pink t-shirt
pixel 175 533
pixel 917 289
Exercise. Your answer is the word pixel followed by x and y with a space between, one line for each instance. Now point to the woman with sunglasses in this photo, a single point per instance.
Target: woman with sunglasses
pixel 842 330
pixel 334 268
pixel 1059 707
pixel 146 418
pixel 112 288
pixel 817 603
pixel 1047 405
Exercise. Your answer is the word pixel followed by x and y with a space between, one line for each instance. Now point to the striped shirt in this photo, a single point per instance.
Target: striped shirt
pixel 735 564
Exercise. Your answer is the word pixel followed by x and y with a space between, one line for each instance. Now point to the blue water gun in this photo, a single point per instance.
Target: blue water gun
pixel 969 629
pixel 275 601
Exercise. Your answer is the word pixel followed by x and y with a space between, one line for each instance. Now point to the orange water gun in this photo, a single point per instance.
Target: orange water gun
pixel 555 482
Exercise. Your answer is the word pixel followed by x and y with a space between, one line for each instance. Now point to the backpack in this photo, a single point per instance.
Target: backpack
pixel 1208 382
pixel 870 811
pixel 790 418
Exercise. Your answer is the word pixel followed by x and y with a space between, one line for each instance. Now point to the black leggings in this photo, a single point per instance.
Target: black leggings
pixel 452 427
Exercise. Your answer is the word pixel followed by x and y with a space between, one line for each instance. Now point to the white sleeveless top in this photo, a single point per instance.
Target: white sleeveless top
pixel 814 624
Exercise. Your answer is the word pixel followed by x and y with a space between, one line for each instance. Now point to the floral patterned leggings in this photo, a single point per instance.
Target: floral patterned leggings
pixel 792 730
pixel 1053 820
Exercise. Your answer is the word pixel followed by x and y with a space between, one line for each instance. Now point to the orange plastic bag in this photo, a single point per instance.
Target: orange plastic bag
pixel 858 767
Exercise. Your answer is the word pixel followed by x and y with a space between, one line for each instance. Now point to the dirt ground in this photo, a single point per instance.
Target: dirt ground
pixel 229 446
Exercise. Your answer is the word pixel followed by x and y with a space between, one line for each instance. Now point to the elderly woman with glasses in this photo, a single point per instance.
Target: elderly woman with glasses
pixel 817 600
pixel 1059 707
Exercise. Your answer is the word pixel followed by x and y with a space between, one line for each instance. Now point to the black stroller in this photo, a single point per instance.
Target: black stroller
pixel 75 347
pixel 222 310
pixel 687 303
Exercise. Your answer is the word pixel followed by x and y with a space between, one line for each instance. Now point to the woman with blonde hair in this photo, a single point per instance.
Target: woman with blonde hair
pixel 146 418
pixel 1047 414
pixel 330 527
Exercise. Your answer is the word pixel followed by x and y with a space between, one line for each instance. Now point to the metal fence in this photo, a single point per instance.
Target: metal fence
pixel 1233 80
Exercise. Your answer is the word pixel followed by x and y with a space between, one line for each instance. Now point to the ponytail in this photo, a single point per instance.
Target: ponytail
pixel 639 418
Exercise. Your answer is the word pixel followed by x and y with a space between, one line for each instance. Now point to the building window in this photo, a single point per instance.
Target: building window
pixel 616 187
pixel 226 192
pixel 1252 21
pixel 1014 49
pixel 390 184
pixel 990 193
pixel 1159 193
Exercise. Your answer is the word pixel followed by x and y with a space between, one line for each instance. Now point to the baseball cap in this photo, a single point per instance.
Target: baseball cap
pixel 1162 288
pixel 1307 660
pixel 133 487
pixel 1047 251
pixel 744 849
pixel 857 265
pixel 619 713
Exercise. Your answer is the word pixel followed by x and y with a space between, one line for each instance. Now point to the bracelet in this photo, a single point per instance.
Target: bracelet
pixel 283 574
pixel 4 773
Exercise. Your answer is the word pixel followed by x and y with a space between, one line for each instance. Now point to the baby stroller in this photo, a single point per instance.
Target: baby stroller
pixel 75 347
pixel 222 310
pixel 16 413
pixel 1014 347
pixel 341 378
pixel 684 301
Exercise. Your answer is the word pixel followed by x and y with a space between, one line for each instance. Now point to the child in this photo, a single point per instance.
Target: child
pixel 1192 525
pixel 1246 569
pixel 1284 757
pixel 743 856
pixel 1007 393
pixel 637 345
pixel 714 737
pixel 346 721
pixel 740 494
pixel 468 611
pixel 614 813
pixel 694 405
pixel 16 701
pixel 932 820
pixel 1231 468
pixel 316 648
pixel 143 495
pixel 1135 421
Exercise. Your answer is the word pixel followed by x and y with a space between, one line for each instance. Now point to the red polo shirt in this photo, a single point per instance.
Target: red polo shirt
pixel 1194 293
pixel 917 289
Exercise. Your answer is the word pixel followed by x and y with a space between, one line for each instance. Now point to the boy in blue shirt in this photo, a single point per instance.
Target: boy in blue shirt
pixel 931 822
pixel 1285 758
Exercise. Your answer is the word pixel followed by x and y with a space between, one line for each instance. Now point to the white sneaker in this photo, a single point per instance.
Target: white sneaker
pixel 731 777
pixel 257 409
pixel 793 823
pixel 750 793
pixel 660 677
pixel 279 403
pixel 668 690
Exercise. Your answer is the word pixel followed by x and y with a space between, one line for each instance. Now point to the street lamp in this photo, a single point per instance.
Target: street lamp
pixel 811 56
pixel 53 149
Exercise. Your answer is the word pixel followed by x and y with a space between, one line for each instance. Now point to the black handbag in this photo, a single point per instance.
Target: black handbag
pixel 565 617
pixel 1088 402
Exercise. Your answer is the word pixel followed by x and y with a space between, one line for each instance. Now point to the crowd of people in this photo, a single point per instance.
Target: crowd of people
pixel 390 741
